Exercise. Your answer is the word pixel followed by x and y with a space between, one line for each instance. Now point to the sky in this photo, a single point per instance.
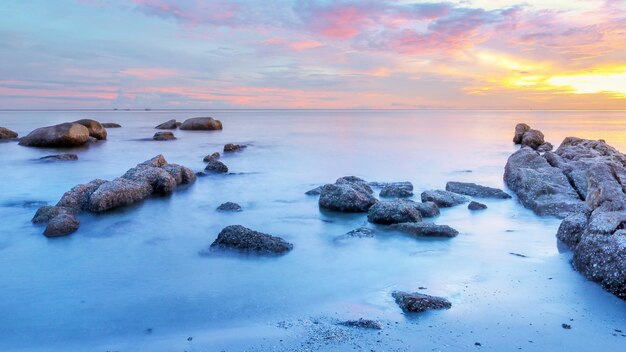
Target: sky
pixel 344 54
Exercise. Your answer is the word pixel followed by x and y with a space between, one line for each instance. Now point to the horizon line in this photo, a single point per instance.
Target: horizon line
pixel 303 109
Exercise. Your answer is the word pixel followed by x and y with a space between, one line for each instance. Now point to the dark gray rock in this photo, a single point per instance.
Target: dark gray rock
pixel 229 206
pixel 427 209
pixel 418 302
pixel 546 147
pixel 474 190
pixel 211 157
pixel 163 136
pixel 476 206
pixel 95 128
pixel 167 125
pixel 6 133
pixel 520 129
pixel 393 212
pixel 60 157
pixel 425 229
pixel 443 199
pixel 601 259
pixel 572 228
pixel 230 147
pixel 64 135
pixel 245 240
pixel 201 123
pixel 348 194
pixel 363 323
pixel 216 167
pixel 110 125
pixel 397 189
pixel 314 192
pixel 361 232
pixel 62 225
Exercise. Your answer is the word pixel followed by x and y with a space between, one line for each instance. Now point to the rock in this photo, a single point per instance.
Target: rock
pixel 216 167
pixel 6 133
pixel 167 125
pixel 95 128
pixel 48 212
pixel 520 129
pixel 211 157
pixel 418 302
pixel 424 229
pixel 393 212
pixel 533 139
pixel 427 209
pixel 474 190
pixel 64 135
pixel 398 189
pixel 182 175
pixel 245 240
pixel 118 193
pixel 443 199
pixel 163 136
pixel 546 147
pixel 111 125
pixel 201 123
pixel 476 206
pixel 229 206
pixel 61 225
pixel 361 232
pixel 601 259
pixel 201 174
pixel 230 147
pixel 77 199
pixel 60 157
pixel 348 194
pixel 363 323
pixel 314 192
pixel 572 228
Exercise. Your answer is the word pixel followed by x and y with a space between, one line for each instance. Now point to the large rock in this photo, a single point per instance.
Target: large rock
pixel 95 128
pixel 77 199
pixel 118 193
pixel 6 133
pixel 348 194
pixel 64 135
pixel 397 189
pixel 425 229
pixel 393 212
pixel 168 125
pixel 474 190
pixel 418 302
pixel 201 123
pixel 245 240
pixel 443 199
pixel 602 258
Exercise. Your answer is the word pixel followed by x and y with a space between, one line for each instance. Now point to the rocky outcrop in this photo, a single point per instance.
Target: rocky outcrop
pixel 110 125
pixel 418 302
pixel 397 189
pixel 64 135
pixel 230 147
pixel 245 240
pixel 59 157
pixel 443 199
pixel 348 194
pixel 216 167
pixel 6 133
pixel 163 136
pixel 229 206
pixel 201 123
pixel 474 190
pixel 473 205
pixel 154 176
pixel 168 125
pixel 393 212
pixel 528 137
pixel 425 229
pixel 584 182
pixel 95 128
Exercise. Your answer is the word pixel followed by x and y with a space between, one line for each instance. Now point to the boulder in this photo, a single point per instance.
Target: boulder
pixel 216 167
pixel 111 125
pixel 245 240
pixel 77 199
pixel 211 157
pixel 427 209
pixel 520 129
pixel 424 229
pixel 393 212
pixel 348 194
pixel 229 206
pixel 62 225
pixel 572 228
pixel 601 259
pixel 6 133
pixel 201 123
pixel 48 212
pixel 474 190
pixel 532 139
pixel 118 193
pixel 230 147
pixel 95 128
pixel 182 175
pixel 60 157
pixel 64 135
pixel 163 136
pixel 363 323
pixel 167 125
pixel 397 189
pixel 418 302
pixel 443 199
pixel 476 206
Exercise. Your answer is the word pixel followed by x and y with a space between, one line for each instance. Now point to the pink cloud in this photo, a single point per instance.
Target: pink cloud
pixel 148 73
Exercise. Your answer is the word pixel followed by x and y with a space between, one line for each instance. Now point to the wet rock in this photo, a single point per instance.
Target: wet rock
pixel 157 178
pixel 348 194
pixel 418 302
pixel 601 259
pixel 48 212
pixel 361 232
pixel 118 193
pixel 572 228
pixel 6 133
pixel 245 240
pixel 314 192
pixel 61 225
pixel 110 125
pixel 230 147
pixel 163 136
pixel 95 128
pixel 476 206
pixel 427 209
pixel 520 129
pixel 363 323
pixel 532 139
pixel 64 135
pixel 201 123
pixel 424 229
pixel 211 157
pixel 397 189
pixel 77 199
pixel 474 190
pixel 393 212
pixel 167 125
pixel 216 167
pixel 181 174
pixel 229 206
pixel 60 157
pixel 443 199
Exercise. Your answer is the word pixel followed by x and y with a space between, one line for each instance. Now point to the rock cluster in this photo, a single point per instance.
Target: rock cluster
pixel 65 135
pixel 528 137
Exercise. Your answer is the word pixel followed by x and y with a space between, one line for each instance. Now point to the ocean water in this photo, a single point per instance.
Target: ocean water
pixel 134 280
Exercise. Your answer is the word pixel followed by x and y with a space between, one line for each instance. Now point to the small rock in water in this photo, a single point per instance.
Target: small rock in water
pixel 474 190
pixel 566 326
pixel 201 174
pixel 424 229
pixel 110 125
pixel 363 323
pixel 60 157
pixel 520 129
pixel 245 240
pixel 476 206
pixel 201 124
pixel 6 133
pixel 163 136
pixel 443 198
pixel 211 157
pixel 348 194
pixel 397 189
pixel 229 206
pixel 216 167
pixel 393 212
pixel 168 125
pixel 361 232
pixel 230 147
pixel 61 225
pixel 314 192
pixel 419 302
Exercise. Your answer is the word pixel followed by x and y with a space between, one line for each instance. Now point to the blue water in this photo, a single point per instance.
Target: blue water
pixel 133 279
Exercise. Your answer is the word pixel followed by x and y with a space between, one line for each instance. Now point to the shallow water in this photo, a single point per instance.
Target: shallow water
pixel 133 279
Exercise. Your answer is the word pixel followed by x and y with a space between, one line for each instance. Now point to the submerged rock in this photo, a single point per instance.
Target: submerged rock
pixel 211 157
pixel 363 323
pixel 64 135
pixel 60 157
pixel 397 189
pixel 216 167
pixel 418 302
pixel 393 212
pixel 424 229
pixel 201 123
pixel 110 125
pixel 443 199
pixel 6 133
pixel 229 206
pixel 361 232
pixel 163 136
pixel 474 190
pixel 95 128
pixel 167 125
pixel 348 194
pixel 476 206
pixel 245 240
pixel 314 192
pixel 230 147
